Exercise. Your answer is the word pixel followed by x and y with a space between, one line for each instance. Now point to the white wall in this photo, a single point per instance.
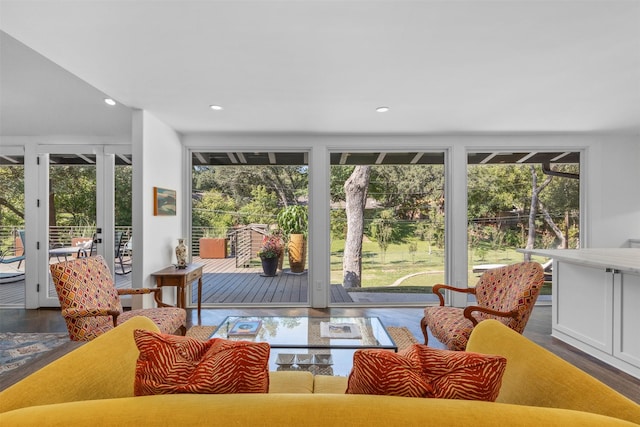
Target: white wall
pixel 613 196
pixel 157 162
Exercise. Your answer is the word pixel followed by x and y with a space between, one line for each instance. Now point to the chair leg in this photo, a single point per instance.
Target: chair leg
pixel 423 326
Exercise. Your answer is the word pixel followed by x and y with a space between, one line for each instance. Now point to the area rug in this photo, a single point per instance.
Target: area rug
pixel 16 348
pixel 401 335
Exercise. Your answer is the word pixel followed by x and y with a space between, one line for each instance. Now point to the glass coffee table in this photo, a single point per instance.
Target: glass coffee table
pixel 321 345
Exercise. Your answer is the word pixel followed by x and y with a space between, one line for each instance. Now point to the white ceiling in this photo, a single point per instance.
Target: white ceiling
pixel 323 66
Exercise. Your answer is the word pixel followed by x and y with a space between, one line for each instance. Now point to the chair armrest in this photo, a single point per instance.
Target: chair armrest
pixel 436 290
pixel 157 294
pixel 91 312
pixel 137 291
pixel 469 310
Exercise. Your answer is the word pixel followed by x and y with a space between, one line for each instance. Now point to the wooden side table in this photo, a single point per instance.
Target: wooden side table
pixel 172 276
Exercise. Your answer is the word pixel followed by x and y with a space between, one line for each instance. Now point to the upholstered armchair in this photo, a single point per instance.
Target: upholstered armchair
pixel 506 294
pixel 91 303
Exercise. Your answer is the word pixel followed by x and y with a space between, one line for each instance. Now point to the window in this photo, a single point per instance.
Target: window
pixel 517 200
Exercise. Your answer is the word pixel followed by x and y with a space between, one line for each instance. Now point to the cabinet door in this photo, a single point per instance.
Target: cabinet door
pixel 584 304
pixel 627 317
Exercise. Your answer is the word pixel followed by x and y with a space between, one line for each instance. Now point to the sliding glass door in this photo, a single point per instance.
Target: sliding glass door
pixel 243 207
pixel 387 226
pixel 85 203
pixel 13 265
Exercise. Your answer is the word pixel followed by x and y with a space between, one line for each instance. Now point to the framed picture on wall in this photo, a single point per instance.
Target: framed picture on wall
pixel 164 201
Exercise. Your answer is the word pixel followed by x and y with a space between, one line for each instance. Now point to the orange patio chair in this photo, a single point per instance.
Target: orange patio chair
pixel 506 294
pixel 91 304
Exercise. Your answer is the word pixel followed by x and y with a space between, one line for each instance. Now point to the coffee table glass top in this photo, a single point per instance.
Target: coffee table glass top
pixel 308 332
pixel 320 345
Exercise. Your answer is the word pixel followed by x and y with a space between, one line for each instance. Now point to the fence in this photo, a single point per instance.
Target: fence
pixel 59 236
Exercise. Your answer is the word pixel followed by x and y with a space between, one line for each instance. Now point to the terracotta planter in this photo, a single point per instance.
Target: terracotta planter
pixel 213 248
pixel 297 252
pixel 280 261
pixel 79 242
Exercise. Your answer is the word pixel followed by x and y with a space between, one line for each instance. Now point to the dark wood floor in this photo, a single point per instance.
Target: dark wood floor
pixel 538 330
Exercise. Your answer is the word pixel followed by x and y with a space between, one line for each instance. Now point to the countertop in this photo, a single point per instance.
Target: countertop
pixel 626 259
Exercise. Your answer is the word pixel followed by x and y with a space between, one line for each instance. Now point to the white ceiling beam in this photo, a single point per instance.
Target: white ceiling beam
pixel 343 158
pixel 201 158
pixel 9 159
pixel 527 157
pixel 232 158
pixel 555 159
pixel 272 158
pixel 416 158
pixel 124 158
pixel 86 159
pixel 380 158
pixel 489 157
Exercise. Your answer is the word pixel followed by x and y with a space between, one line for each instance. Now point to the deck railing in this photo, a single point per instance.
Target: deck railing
pixel 59 236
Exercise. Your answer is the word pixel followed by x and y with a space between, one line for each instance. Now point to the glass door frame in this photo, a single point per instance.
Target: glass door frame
pixel 105 221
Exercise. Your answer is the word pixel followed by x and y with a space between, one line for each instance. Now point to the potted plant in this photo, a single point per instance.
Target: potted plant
pixel 293 221
pixel 213 246
pixel 270 252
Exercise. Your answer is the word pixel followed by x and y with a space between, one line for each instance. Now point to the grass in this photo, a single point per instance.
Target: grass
pixel 413 273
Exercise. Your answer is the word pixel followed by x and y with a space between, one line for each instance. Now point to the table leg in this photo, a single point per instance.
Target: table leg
pixel 199 295
pixel 181 298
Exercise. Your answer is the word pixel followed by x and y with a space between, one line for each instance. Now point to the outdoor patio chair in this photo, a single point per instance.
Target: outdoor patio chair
pixel 9 256
pixel 506 294
pixel 122 255
pixel 91 304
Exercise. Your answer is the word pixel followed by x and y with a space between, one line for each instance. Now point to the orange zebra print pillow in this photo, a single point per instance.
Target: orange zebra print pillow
pixel 175 364
pixel 459 374
pixel 420 371
pixel 387 373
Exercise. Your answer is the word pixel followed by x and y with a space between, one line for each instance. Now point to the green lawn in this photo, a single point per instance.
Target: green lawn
pixel 419 271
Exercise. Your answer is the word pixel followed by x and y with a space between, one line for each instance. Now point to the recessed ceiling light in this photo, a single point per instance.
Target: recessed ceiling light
pixel 215 107
pixel 109 101
pixel 382 109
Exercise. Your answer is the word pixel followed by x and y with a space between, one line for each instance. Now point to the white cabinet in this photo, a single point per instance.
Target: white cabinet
pixel 596 303
pixel 583 304
pixel 626 320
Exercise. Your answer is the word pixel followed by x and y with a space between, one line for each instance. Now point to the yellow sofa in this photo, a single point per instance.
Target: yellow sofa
pixel 93 385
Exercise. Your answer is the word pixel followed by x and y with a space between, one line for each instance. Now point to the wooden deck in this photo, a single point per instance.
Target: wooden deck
pixel 222 284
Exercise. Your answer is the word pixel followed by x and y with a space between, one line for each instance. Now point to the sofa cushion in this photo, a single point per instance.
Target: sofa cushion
pixel 421 371
pixel 176 364
pixel 331 384
pixel 299 382
pixel 387 373
pixel 459 374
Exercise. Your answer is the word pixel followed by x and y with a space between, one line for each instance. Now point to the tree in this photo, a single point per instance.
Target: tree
pixel 237 182
pixel 262 209
pixel 12 196
pixel 355 189
pixel 408 189
pixel 123 196
pixel 383 231
pixel 533 209
pixel 72 195
pixel 215 210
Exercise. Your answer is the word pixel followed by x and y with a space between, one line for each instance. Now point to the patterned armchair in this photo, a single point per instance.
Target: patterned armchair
pixel 91 304
pixel 506 294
